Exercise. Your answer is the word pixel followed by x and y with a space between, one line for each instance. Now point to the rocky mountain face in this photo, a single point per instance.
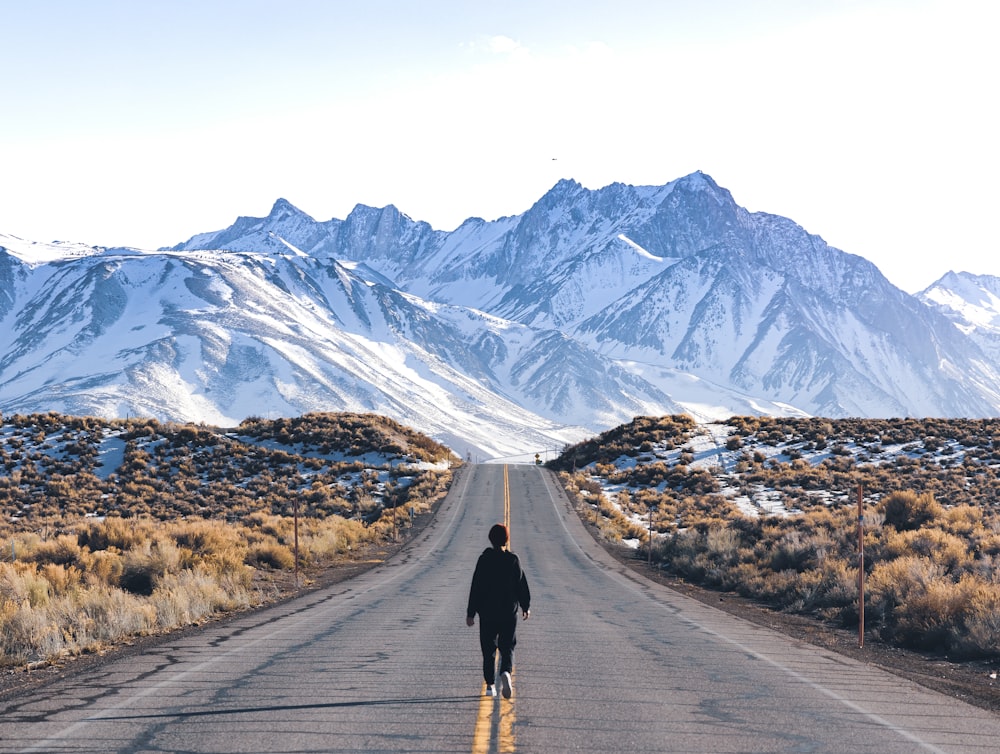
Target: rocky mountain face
pixel 497 338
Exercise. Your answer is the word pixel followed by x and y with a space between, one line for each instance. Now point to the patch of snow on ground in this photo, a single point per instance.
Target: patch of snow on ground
pixel 110 455
pixel 707 446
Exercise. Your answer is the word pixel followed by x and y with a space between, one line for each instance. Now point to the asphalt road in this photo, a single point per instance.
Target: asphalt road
pixel 608 662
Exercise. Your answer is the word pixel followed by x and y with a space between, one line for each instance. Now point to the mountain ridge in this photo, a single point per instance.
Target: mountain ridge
pixel 528 331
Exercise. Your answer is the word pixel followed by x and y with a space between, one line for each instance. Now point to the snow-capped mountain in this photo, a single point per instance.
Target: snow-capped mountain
pixel 216 336
pixel 496 338
pixel 681 285
pixel 972 302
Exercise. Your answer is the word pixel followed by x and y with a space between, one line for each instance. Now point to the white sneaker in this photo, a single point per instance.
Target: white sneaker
pixel 491 690
pixel 506 687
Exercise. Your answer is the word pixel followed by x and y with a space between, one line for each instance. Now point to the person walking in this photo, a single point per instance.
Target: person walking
pixel 499 587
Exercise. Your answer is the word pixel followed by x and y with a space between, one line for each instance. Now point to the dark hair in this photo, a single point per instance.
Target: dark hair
pixel 498 535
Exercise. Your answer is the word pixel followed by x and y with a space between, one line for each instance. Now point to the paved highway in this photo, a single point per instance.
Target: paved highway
pixel 608 662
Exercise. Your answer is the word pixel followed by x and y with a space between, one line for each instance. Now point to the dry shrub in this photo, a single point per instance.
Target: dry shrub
pixel 276 527
pixel 945 549
pixel 840 582
pixel 906 510
pixel 62 579
pixel 150 566
pixel 63 550
pixel 271 555
pixel 793 551
pixel 108 614
pixel 938 617
pixel 874 519
pixel 207 538
pixel 830 589
pixel 681 551
pixel 580 483
pixel 723 544
pixel 965 521
pixel 934 582
pixel 23 544
pixel 114 532
pixel 784 588
pixel 747 579
pixel 213 545
pixel 981 635
pixel 989 545
pixel 189 596
pixel 892 583
pixel 912 600
pixel 147 563
pixel 21 583
pixel 807 593
pixel 28 635
pixel 381 527
pixel 223 564
pixel 101 567
pixel 238 583
pixel 329 538
pixel 608 517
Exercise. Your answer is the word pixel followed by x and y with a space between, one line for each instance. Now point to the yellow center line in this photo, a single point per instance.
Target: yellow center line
pixel 506 503
pixel 481 736
pixel 483 733
pixel 505 731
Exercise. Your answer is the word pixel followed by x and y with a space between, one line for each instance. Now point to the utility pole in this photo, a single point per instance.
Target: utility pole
pixel 649 546
pixel 296 509
pixel 861 568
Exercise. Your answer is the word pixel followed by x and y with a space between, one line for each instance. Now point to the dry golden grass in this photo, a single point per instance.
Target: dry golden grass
pixel 66 598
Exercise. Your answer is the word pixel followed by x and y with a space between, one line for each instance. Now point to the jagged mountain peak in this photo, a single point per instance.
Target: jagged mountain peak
pixel 700 180
pixel 952 280
pixel 589 308
pixel 955 279
pixel 972 302
pixel 283 209
pixel 390 213
pixel 565 187
pixel 568 191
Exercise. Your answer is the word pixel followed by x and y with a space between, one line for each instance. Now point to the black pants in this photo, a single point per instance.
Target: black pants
pixel 497 632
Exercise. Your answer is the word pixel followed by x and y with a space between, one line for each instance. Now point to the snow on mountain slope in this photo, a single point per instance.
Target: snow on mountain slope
pixel 972 303
pixel 218 336
pixel 34 252
pixel 266 233
pixel 770 311
pixel 501 336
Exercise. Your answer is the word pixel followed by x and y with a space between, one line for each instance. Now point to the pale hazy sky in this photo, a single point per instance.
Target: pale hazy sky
pixel 140 123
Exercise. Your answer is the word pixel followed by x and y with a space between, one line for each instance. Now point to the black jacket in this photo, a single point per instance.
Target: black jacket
pixel 499 585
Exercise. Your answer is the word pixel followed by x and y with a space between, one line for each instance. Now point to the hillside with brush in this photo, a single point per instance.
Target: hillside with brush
pixel 768 508
pixel 119 528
